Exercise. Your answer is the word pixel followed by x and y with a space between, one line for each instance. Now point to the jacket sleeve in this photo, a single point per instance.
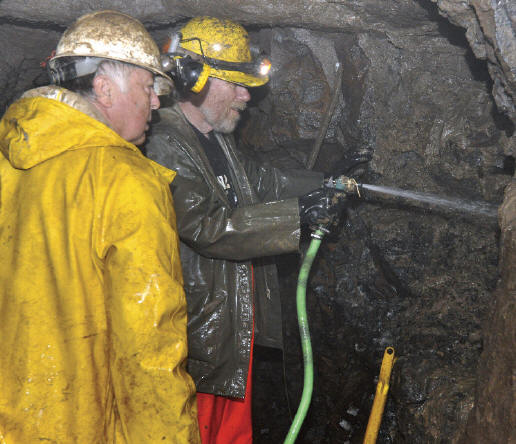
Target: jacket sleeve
pixel 273 183
pixel 210 226
pixel 146 308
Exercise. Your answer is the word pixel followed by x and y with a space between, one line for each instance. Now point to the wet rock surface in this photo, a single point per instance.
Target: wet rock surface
pixel 426 104
pixel 419 279
pixel 495 395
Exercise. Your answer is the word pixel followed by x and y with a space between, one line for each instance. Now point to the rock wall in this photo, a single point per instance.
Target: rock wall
pixel 416 113
pixel 494 415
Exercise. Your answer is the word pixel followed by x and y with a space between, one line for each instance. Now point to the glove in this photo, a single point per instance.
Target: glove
pixel 321 207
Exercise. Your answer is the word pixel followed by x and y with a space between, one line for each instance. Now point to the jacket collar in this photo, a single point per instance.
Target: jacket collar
pixel 50 120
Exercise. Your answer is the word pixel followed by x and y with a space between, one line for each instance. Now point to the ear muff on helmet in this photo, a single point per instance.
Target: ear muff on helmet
pixel 191 74
pixel 69 68
pixel 188 74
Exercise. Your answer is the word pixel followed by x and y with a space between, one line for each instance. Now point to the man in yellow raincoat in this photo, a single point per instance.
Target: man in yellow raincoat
pixel 92 309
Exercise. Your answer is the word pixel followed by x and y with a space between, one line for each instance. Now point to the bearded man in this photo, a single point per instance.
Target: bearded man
pixel 233 215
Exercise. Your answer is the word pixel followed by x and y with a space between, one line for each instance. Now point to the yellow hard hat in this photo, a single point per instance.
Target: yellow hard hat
pixel 224 46
pixel 110 35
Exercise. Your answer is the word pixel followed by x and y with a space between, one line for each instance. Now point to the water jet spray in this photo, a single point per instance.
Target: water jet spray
pixel 480 210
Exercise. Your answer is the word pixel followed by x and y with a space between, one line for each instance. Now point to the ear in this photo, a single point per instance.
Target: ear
pixel 104 90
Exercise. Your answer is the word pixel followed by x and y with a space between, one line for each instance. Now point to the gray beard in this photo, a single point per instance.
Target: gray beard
pixel 225 125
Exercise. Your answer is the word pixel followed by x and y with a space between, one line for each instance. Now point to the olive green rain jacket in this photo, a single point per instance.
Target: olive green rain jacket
pixel 92 310
pixel 225 250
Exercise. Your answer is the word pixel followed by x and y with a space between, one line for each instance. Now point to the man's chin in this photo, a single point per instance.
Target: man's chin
pixel 139 140
pixel 228 125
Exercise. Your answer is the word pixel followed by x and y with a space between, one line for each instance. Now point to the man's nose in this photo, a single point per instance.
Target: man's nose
pixel 154 100
pixel 242 94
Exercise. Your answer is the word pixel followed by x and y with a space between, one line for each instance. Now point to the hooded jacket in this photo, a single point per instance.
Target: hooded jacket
pixel 92 310
pixel 224 249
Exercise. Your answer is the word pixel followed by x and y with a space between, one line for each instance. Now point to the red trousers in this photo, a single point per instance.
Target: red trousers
pixel 226 420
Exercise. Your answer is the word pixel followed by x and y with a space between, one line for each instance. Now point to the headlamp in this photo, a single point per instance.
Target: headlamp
pixel 260 66
pixel 264 67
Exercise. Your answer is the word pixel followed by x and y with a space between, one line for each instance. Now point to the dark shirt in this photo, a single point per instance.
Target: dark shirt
pixel 219 164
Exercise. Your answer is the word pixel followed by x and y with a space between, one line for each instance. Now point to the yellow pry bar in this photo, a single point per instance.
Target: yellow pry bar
pixel 375 418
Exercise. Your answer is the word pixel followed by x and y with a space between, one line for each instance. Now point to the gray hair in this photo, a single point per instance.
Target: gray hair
pixel 89 68
pixel 119 72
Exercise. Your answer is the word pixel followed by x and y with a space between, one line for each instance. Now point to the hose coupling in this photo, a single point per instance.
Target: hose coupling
pixel 344 183
pixel 319 232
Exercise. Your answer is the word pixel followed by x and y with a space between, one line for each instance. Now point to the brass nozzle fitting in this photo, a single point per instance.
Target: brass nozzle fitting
pixel 346 184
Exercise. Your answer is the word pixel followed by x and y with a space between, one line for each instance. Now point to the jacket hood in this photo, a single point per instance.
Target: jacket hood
pixel 47 121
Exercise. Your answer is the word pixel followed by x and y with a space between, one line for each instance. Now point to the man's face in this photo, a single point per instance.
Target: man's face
pixel 222 104
pixel 133 106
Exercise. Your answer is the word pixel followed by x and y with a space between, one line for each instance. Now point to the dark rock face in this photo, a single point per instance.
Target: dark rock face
pixel 21 54
pixel 427 104
pixel 494 416
pixel 415 113
pixel 490 32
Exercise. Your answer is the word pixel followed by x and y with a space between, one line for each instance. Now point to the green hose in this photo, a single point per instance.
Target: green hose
pixel 305 336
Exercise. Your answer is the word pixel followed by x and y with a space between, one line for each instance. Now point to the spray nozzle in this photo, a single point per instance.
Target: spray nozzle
pixel 344 183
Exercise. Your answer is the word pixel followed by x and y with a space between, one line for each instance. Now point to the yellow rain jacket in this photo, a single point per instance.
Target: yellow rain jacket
pixel 92 309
